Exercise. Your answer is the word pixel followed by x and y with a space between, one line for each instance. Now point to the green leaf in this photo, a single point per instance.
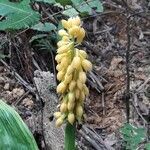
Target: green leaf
pixel 64 2
pixel 45 27
pixel 37 37
pixel 97 5
pixel 71 12
pixel 147 146
pixel 14 133
pixel 77 2
pixel 47 1
pixel 17 15
pixel 84 8
pixel 70 137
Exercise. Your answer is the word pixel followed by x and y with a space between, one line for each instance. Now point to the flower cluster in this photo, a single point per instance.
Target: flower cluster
pixel 72 67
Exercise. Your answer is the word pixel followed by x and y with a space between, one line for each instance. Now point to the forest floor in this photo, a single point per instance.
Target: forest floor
pixel 106 43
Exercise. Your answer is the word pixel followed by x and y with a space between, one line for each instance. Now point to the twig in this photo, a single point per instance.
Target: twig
pixel 103 104
pixel 18 77
pixel 145 122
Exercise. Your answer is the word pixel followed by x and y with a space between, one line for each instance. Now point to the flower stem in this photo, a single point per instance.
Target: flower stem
pixel 70 137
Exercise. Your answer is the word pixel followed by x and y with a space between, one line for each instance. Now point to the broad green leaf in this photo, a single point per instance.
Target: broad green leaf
pixel 17 15
pixel 71 12
pixel 77 2
pixel 84 8
pixel 64 2
pixel 96 4
pixel 45 27
pixel 47 1
pixel 14 133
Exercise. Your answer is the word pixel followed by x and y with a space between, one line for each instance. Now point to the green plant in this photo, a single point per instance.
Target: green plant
pixel 132 136
pixel 17 15
pixel 72 68
pixel 14 134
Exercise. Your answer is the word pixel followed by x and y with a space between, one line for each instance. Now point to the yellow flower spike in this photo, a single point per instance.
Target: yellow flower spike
pixel 76 63
pixel 72 85
pixel 87 65
pixel 62 32
pixel 79 111
pixel 57 115
pixel 83 53
pixel 72 67
pixel 82 76
pixel 71 97
pixel 59 122
pixel 71 118
pixel 70 106
pixel 79 84
pixel 61 87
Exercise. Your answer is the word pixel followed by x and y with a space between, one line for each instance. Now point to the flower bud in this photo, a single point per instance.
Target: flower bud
pixel 57 115
pixel 60 75
pixel 82 76
pixel 71 97
pixel 71 118
pixel 77 21
pixel 62 32
pixel 70 69
pixel 76 63
pixel 87 65
pixel 82 97
pixel 74 31
pixel 79 111
pixel 79 84
pixel 70 106
pixel 61 87
pixel 81 35
pixel 72 85
pixel 59 122
pixel 65 24
pixel 83 53
pixel 86 90
pixel 63 107
pixel 68 78
pixel 63 49
pixel 77 93
pixel 61 43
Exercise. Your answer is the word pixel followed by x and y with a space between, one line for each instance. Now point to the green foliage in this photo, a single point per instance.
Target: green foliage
pixel 17 15
pixel 45 27
pixel 14 134
pixel 47 1
pixel 132 136
pixel 147 146
pixel 70 137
